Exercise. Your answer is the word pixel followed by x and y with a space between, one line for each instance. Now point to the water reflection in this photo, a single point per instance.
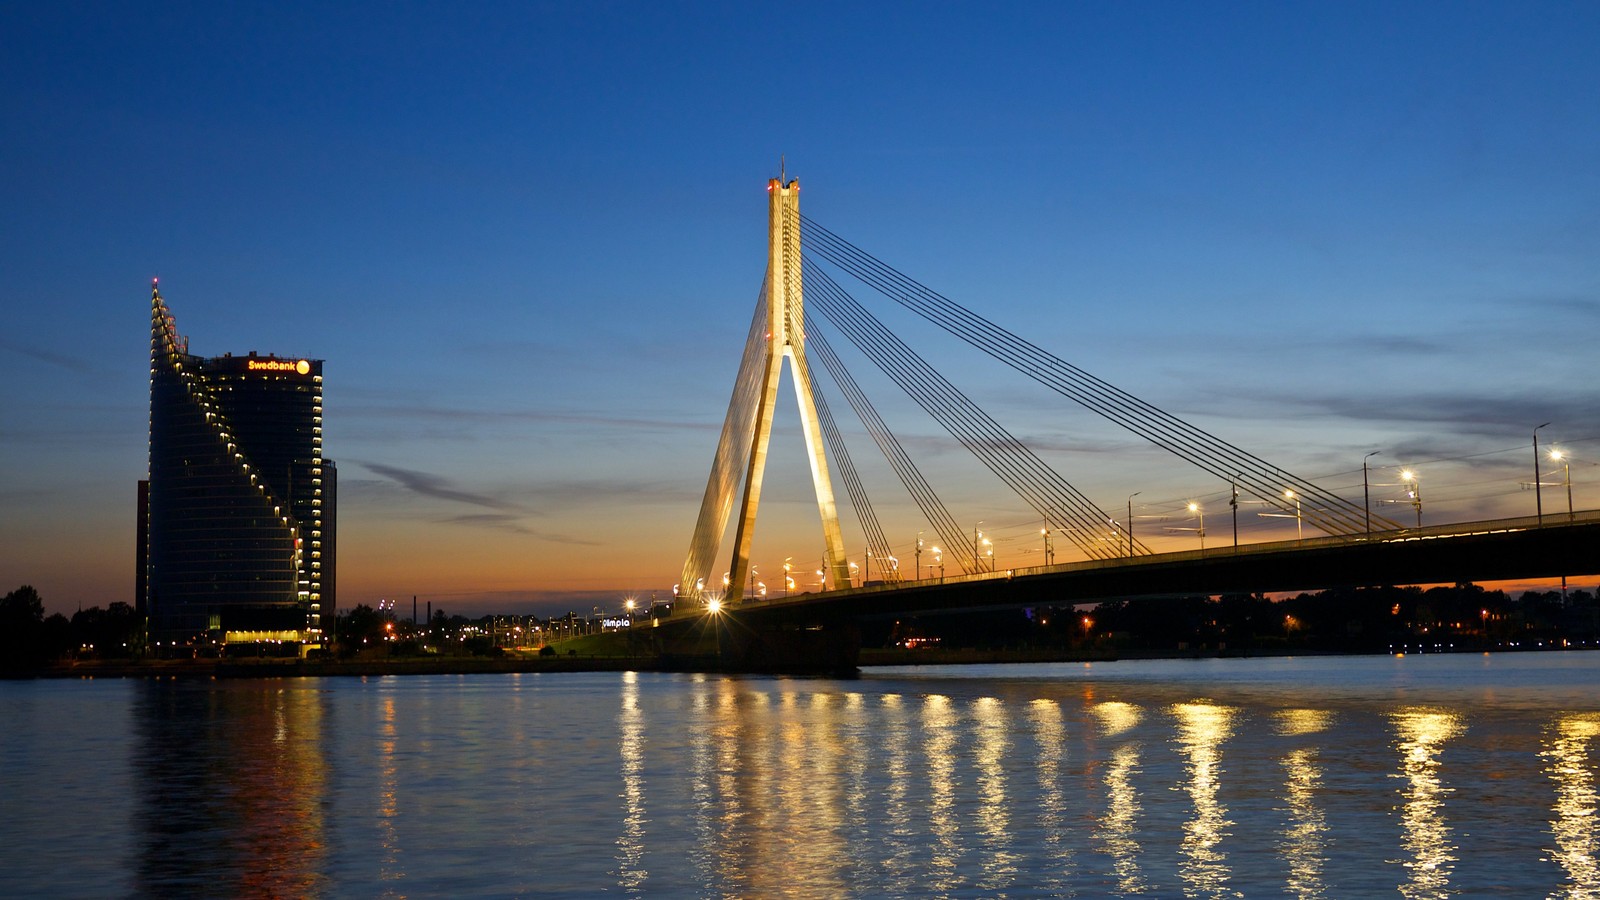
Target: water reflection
pixel 1567 749
pixel 1422 734
pixel 236 804
pixel 817 850
pixel 920 784
pixel 894 738
pixel 1051 737
pixel 1202 727
pixel 389 868
pixel 938 748
pixel 631 873
pixel 1304 842
pixel 994 811
pixel 1117 831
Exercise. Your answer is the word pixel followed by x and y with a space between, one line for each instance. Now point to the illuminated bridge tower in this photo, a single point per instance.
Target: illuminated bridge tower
pixel 239 541
pixel 776 336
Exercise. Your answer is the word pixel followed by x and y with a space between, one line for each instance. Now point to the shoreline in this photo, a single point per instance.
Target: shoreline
pixel 869 659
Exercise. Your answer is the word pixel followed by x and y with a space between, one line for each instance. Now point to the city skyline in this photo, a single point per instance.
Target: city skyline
pixel 535 237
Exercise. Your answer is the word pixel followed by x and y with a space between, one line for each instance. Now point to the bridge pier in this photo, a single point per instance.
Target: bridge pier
pixel 729 642
pixel 819 650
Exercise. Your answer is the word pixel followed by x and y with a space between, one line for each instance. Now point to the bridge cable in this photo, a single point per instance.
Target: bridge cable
pixel 1051 496
pixel 1028 476
pixel 1196 450
pixel 997 448
pixel 733 452
pixel 1334 515
pixel 865 515
pixel 933 509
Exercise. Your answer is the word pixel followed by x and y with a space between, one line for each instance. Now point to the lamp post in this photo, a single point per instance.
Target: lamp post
pixel 1415 492
pixel 1566 477
pixel 977 536
pixel 1299 523
pixel 1049 554
pixel 938 560
pixel 1538 501
pixel 1234 502
pixel 919 556
pixel 1130 522
pixel 1366 491
pixel 1195 508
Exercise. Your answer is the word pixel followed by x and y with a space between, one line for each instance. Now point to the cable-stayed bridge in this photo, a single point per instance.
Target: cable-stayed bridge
pixel 1089 553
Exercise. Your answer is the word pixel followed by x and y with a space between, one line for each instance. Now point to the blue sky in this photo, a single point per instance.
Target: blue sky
pixel 527 238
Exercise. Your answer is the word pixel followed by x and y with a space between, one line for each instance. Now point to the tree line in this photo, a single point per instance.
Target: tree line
pixel 29 639
pixel 1341 620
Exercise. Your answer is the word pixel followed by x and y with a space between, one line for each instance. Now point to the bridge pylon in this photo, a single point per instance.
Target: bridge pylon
pixel 776 336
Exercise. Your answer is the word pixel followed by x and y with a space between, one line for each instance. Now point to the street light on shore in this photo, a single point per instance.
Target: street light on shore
pixel 1195 508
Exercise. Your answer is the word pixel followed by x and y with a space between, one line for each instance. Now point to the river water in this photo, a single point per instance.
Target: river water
pixel 1416 776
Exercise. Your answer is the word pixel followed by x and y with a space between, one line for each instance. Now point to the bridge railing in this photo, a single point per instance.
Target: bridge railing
pixel 1430 532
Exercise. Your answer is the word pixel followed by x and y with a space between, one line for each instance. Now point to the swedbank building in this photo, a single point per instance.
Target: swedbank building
pixel 238 515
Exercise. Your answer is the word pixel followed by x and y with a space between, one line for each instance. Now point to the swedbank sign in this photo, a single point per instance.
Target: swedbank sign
pixel 299 367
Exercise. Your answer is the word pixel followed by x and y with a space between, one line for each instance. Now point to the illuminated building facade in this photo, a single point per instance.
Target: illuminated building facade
pixel 238 538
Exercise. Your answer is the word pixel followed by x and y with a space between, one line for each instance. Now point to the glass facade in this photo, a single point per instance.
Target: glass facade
pixel 240 513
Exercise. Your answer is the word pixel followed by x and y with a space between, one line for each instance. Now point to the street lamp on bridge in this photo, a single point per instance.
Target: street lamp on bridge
pixel 1538 501
pixel 1414 492
pixel 1195 508
pixel 1130 522
pixel 1566 476
pixel 1299 520
pixel 1366 491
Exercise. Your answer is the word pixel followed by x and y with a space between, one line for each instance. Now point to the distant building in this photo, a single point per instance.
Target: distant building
pixel 237 538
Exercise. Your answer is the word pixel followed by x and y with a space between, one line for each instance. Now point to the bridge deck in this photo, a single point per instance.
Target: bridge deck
pixel 1493 550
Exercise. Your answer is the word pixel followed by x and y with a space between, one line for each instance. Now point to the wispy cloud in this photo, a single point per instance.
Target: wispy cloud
pixel 424 413
pixel 435 486
pixel 70 363
pixel 514 525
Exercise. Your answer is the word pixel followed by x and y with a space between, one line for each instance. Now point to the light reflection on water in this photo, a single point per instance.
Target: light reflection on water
pixel 1118 831
pixel 1304 840
pixel 1054 825
pixel 1202 728
pixel 938 752
pixel 1568 749
pixel 1422 735
pixel 631 874
pixel 1299 778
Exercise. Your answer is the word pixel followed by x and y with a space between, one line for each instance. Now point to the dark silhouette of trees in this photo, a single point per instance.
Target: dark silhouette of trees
pixel 360 628
pixel 115 632
pixel 28 640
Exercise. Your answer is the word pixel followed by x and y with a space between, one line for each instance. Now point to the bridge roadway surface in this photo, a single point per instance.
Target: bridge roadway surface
pixel 1496 550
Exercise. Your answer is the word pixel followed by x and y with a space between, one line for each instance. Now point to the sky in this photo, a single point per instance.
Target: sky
pixel 528 238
